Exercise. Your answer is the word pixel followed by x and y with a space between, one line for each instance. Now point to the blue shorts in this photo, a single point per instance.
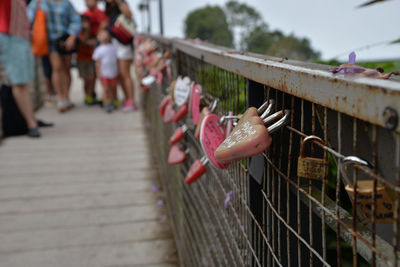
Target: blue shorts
pixel 16 57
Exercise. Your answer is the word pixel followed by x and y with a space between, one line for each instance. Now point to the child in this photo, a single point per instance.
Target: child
pixel 107 68
pixel 86 66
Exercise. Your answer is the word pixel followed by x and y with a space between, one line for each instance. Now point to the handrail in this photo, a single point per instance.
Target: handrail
pixel 360 97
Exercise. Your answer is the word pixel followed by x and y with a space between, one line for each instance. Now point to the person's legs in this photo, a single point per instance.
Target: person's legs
pixel 24 103
pixel 58 76
pixel 126 80
pixel 47 75
pixel 89 83
pixel 125 76
pixel 67 69
pixel 107 95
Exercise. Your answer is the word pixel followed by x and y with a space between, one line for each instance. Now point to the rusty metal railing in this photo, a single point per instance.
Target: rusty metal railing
pixel 275 217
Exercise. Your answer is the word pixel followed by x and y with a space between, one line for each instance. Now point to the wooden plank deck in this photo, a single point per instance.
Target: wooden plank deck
pixel 82 194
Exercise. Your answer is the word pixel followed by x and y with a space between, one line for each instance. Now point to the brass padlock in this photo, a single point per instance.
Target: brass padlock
pixel 308 167
pixel 385 196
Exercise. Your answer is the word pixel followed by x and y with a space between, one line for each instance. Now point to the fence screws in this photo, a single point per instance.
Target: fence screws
pixel 391 118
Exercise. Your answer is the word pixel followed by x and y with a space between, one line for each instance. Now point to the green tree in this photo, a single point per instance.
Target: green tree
pixel 242 19
pixel 209 24
pixel 259 40
pixel 293 48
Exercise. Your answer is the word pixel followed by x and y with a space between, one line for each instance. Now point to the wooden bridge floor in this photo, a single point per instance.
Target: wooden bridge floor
pixel 82 195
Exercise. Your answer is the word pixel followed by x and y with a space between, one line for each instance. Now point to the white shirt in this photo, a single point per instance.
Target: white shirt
pixel 107 55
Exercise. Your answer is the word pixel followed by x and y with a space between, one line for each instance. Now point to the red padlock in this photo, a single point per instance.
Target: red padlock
pixel 178 135
pixel 169 112
pixel 176 155
pixel 197 169
pixel 163 104
pixel 182 111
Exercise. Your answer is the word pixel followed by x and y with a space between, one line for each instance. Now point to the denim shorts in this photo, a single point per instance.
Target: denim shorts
pixel 17 59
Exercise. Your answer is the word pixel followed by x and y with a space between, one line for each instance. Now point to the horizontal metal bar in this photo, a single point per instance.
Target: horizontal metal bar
pixel 360 97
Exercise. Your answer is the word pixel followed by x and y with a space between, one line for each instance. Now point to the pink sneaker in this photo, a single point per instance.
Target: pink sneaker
pixel 130 106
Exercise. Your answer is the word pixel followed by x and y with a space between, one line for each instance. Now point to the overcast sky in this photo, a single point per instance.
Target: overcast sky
pixel 334 27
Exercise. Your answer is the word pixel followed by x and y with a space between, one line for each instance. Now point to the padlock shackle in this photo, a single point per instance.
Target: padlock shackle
pixel 213 104
pixel 308 139
pixel 283 118
pixel 184 128
pixel 263 107
pixel 352 160
pixel 204 160
pixel 228 117
pixel 268 111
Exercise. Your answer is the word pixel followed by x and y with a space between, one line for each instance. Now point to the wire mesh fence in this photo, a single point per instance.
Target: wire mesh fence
pixel 263 211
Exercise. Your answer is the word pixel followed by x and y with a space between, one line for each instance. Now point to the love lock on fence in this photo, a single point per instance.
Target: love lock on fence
pixel 177 155
pixel 310 167
pixel 250 136
pixel 384 196
pixel 212 134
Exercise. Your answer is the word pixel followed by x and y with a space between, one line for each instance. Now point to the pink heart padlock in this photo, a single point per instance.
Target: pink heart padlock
pixel 212 134
pixel 169 112
pixel 182 111
pixel 176 155
pixel 178 135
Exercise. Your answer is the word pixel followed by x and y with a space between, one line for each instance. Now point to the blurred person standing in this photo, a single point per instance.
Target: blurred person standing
pixel 93 20
pixel 107 68
pixel 16 57
pixel 125 55
pixel 86 66
pixel 63 25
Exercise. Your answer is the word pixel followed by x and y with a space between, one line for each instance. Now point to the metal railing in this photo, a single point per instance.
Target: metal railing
pixel 274 217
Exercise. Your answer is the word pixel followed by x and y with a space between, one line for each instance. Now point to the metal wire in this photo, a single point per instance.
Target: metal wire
pixel 286 220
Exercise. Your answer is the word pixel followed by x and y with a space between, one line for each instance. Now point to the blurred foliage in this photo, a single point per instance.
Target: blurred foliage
pixel 219 26
pixel 259 40
pixel 242 15
pixel 209 24
pixel 293 48
pixel 213 81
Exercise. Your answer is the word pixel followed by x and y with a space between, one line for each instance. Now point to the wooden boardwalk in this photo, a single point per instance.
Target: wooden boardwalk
pixel 83 194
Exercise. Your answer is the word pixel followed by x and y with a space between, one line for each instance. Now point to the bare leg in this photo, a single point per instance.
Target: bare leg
pixel 24 103
pixel 106 94
pixel 58 76
pixel 67 69
pixel 89 84
pixel 125 77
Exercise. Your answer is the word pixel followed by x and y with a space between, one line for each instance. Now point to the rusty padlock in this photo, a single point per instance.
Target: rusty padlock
pixel 309 167
pixel 385 196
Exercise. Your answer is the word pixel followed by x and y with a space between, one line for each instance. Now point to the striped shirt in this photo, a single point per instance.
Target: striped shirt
pixel 61 18
pixel 13 19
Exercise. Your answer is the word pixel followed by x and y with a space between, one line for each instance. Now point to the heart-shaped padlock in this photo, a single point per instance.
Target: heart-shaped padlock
pixel 195 103
pixel 197 169
pixel 169 112
pixel 176 155
pixel 250 136
pixel 212 134
pixel 180 113
pixel 163 104
pixel 178 135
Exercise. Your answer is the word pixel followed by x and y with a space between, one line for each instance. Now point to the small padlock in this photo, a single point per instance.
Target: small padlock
pixel 178 135
pixel 308 167
pixel 163 104
pixel 384 199
pixel 197 169
pixel 176 155
pixel 180 113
